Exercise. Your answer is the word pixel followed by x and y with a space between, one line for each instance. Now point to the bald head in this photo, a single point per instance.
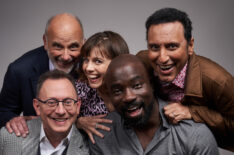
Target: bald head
pixel 63 40
pixel 125 61
pixel 63 20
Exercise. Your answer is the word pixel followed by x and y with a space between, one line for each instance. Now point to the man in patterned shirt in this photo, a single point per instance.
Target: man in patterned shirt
pixel 196 87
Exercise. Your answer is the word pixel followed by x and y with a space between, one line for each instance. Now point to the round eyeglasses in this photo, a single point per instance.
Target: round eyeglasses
pixel 68 103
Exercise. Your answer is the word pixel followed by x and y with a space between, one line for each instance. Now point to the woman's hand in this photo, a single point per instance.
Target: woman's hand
pixel 90 123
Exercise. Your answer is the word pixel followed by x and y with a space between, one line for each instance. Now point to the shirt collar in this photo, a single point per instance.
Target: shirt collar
pixel 51 66
pixel 179 80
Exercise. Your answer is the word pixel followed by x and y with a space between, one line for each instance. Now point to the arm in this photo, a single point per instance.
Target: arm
pixel 90 123
pixel 220 116
pixel 10 105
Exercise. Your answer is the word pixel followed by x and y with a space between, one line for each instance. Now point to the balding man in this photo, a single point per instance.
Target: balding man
pixel 63 39
pixel 139 125
pixel 53 132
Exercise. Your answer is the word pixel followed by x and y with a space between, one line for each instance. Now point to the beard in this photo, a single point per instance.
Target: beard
pixel 141 120
pixel 54 61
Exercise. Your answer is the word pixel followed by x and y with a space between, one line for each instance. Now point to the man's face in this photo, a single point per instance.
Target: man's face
pixel 131 93
pixel 63 44
pixel 57 120
pixel 168 49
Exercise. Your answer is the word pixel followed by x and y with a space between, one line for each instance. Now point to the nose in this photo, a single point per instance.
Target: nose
pixel 129 95
pixel 60 110
pixel 89 66
pixel 65 56
pixel 163 56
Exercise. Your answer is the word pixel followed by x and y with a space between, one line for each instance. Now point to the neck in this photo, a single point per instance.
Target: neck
pixel 106 99
pixel 55 138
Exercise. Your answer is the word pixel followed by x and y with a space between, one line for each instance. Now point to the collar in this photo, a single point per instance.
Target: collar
pixel 161 104
pixel 180 78
pixel 179 81
pixel 51 66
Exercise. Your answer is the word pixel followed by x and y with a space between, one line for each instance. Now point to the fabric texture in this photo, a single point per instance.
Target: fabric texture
pixel 209 93
pixel 19 85
pixel 12 145
pixel 91 103
pixel 185 138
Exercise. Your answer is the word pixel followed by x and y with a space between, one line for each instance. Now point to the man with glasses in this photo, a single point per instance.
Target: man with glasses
pixel 53 132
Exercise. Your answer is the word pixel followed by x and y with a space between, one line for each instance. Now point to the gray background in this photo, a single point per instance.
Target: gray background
pixel 22 25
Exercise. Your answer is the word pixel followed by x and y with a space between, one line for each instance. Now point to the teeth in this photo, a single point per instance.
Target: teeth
pixel 133 109
pixel 166 67
pixel 60 119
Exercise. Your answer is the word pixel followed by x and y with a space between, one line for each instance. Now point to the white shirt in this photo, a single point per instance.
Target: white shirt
pixel 47 149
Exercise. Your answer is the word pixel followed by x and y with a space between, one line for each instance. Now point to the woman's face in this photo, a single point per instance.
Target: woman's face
pixel 94 67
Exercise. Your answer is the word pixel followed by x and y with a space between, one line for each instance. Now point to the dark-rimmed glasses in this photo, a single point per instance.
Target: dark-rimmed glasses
pixel 68 103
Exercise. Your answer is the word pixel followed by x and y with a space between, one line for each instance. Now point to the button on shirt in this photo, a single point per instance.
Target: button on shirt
pixel 185 138
pixel 47 149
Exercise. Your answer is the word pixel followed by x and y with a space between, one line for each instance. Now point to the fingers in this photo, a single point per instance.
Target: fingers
pixel 91 137
pixel 102 127
pixel 18 126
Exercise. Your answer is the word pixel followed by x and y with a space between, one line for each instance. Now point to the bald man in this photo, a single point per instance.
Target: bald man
pixel 63 39
pixel 139 125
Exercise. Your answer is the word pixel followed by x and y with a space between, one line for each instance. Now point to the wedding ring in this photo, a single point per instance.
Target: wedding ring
pixel 96 125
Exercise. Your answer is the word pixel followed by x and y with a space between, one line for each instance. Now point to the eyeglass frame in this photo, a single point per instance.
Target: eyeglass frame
pixel 58 101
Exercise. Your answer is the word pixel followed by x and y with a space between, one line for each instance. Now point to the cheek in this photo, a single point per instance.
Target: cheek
pixel 153 56
pixel 74 54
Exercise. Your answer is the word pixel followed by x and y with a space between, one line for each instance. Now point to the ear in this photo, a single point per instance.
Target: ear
pixel 36 106
pixel 191 46
pixel 45 42
pixel 78 106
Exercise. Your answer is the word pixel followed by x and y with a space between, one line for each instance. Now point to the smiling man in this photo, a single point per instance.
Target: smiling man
pixel 139 126
pixel 196 87
pixel 53 132
pixel 63 39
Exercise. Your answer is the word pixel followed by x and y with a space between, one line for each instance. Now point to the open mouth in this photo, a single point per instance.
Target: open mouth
pixel 94 78
pixel 166 69
pixel 134 111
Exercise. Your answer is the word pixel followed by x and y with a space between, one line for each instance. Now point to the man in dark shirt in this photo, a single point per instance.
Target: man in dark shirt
pixel 139 125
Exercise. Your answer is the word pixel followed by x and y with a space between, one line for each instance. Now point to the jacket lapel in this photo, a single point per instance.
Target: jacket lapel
pixel 78 145
pixel 193 85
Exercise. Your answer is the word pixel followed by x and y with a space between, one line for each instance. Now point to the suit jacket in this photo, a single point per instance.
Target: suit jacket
pixel 19 86
pixel 12 145
pixel 209 93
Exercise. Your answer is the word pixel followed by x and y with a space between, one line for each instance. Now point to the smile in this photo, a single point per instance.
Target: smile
pixel 93 78
pixel 166 69
pixel 134 111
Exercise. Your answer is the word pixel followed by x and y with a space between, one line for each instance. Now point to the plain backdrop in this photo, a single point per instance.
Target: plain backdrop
pixel 22 24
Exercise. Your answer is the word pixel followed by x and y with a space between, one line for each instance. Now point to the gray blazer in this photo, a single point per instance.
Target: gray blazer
pixel 13 145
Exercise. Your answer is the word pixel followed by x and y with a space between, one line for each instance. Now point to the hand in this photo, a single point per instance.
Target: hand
pixel 90 123
pixel 176 112
pixel 18 125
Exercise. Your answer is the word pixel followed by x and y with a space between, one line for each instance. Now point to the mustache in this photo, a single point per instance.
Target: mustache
pixel 64 61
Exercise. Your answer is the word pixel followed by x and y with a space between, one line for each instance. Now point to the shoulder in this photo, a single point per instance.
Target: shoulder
pixel 9 141
pixel 210 70
pixel 195 135
pixel 30 58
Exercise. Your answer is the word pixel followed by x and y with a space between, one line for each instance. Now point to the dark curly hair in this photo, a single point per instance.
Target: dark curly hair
pixel 167 15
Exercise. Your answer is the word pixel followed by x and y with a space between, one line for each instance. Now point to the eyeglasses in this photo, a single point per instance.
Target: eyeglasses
pixel 68 103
